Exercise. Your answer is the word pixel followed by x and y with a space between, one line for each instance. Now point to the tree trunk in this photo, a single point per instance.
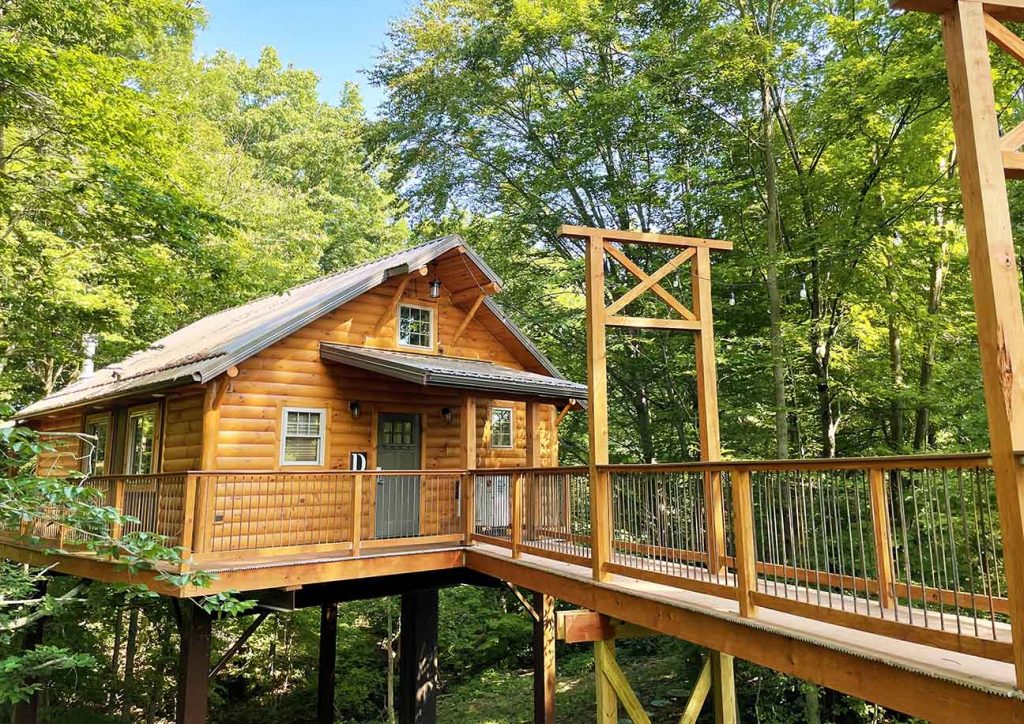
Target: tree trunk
pixel 129 663
pixel 772 276
pixel 922 417
pixel 897 406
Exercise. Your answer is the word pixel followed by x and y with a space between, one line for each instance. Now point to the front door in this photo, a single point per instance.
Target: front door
pixel 398 496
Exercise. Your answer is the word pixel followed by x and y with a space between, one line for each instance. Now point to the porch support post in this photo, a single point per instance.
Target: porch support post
pixel 467 419
pixel 193 664
pixel 417 666
pixel 27 712
pixel 724 684
pixel 325 682
pixel 544 659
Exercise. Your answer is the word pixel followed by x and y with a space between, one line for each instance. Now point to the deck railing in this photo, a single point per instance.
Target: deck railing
pixel 902 546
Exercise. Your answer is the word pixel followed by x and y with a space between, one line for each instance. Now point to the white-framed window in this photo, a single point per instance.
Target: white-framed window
pixel 415 326
pixel 302 438
pixel 140 457
pixel 501 427
pixel 97 445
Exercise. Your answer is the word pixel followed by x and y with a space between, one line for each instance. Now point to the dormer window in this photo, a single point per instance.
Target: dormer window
pixel 415 327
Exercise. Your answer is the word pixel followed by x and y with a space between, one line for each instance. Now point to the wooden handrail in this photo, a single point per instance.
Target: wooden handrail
pixel 895 462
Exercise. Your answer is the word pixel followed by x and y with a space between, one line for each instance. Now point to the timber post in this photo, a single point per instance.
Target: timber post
pixel 724 687
pixel 326 671
pixel 196 627
pixel 544 659
pixel 746 551
pixel 984 164
pixel 467 418
pixel 417 661
pixel 597 410
pixel 882 537
pixel 356 508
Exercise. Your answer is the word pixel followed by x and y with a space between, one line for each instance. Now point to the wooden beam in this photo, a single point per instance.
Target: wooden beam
pixel 561 415
pixel 597 388
pixel 994 278
pixel 582 626
pixel 1013 164
pixel 746 552
pixel 1006 10
pixel 417 661
pixel 326 678
pixel 196 627
pixel 607 701
pixel 470 294
pixel 921 689
pixel 624 692
pixel 212 398
pixel 1003 37
pixel 686 325
pixel 467 319
pixel 544 677
pixel 647 282
pixel 882 536
pixel 633 268
pixel 389 311
pixel 698 696
pixel 639 237
pixel 1012 140
pixel 723 685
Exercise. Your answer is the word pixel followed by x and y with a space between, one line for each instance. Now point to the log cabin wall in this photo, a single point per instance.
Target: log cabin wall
pixel 290 373
pixel 182 445
pixel 66 450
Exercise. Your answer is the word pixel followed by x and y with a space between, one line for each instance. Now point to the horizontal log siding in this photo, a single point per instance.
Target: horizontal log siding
pixel 66 451
pixel 290 374
pixel 183 433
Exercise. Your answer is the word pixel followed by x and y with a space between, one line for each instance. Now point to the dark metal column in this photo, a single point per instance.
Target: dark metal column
pixel 194 664
pixel 417 664
pixel 326 677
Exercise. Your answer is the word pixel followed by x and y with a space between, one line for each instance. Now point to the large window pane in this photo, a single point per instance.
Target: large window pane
pixel 141 442
pixel 303 437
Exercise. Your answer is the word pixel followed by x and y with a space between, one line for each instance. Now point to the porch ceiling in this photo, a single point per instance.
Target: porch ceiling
pixel 464 374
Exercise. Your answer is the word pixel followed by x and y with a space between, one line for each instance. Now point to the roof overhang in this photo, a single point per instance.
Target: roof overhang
pixel 455 373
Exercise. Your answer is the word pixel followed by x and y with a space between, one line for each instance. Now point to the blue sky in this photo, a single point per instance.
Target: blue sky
pixel 337 39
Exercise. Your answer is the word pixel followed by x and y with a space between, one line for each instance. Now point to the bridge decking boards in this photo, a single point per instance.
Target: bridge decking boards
pixel 920 680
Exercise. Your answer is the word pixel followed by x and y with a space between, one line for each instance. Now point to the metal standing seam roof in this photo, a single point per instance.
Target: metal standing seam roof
pixel 437 371
pixel 213 344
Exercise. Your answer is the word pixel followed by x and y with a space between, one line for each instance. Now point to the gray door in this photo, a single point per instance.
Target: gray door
pixel 398 496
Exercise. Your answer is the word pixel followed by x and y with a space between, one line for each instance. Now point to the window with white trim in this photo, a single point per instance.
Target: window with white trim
pixel 415 327
pixel 302 442
pixel 501 427
pixel 140 458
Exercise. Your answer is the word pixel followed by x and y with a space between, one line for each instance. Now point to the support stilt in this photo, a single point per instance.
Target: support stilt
pixel 193 664
pixel 417 666
pixel 607 701
pixel 724 686
pixel 27 712
pixel 326 678
pixel 544 659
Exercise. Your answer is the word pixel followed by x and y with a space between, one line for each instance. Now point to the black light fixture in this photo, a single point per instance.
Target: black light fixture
pixel 353 407
pixel 435 288
pixel 447 415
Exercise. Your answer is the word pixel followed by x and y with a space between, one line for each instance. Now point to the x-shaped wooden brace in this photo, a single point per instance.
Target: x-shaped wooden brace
pixel 650 282
pixel 1009 143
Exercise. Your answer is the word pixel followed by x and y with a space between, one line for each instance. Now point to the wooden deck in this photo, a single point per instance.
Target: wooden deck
pixel 924 681
pixel 882 578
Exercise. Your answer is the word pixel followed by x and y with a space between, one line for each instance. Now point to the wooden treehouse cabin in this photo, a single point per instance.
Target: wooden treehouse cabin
pixel 387 430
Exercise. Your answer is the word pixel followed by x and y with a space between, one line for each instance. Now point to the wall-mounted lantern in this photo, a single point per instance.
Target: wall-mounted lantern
pixel 447 415
pixel 353 407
